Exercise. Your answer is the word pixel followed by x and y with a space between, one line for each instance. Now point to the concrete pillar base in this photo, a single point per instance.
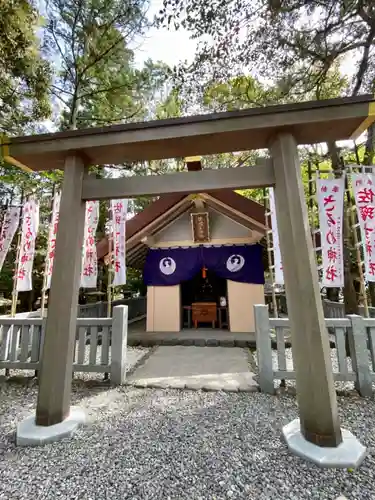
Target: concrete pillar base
pixel 349 454
pixel 30 434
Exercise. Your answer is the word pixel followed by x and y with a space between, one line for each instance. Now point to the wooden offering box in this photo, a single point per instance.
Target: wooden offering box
pixel 204 312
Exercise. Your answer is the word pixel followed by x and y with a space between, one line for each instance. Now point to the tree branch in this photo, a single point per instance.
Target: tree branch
pixel 74 31
pixel 58 89
pixel 52 31
pixel 364 62
pixel 100 91
pixel 100 56
pixel 113 120
pixel 59 97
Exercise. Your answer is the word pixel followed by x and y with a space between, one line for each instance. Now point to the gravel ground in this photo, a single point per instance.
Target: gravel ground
pixel 169 444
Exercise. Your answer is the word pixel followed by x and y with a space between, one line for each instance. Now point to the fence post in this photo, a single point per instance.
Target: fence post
pixel 41 338
pixel 119 344
pixel 264 348
pixel 357 336
pixel 41 345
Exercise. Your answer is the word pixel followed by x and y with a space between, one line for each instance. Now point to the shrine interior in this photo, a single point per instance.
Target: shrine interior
pixel 205 287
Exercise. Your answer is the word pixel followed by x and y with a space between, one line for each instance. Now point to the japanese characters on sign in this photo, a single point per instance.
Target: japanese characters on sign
pixel 119 209
pixel 330 198
pixel 8 230
pixel 363 188
pixel 200 226
pixel 89 274
pixel 279 273
pixel 52 240
pixel 30 225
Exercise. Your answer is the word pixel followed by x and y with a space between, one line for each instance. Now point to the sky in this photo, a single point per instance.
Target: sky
pixel 173 46
pixel 161 44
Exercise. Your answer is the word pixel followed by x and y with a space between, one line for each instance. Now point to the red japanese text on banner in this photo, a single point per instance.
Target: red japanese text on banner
pixel 8 230
pixel 89 275
pixel 279 273
pixel 363 189
pixel 119 209
pixel 52 239
pixel 30 225
pixel 330 198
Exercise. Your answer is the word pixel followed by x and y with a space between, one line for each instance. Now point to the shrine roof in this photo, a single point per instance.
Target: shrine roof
pixel 167 208
pixel 309 122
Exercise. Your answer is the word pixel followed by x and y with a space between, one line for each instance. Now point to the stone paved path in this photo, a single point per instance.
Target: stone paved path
pixel 208 368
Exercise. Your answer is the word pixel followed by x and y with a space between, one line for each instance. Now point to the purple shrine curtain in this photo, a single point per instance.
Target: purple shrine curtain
pixel 171 266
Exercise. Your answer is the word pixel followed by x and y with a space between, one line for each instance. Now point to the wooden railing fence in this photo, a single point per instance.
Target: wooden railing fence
pixel 273 364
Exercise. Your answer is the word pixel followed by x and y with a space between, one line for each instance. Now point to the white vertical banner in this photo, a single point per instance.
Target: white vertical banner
pixel 279 273
pixel 30 226
pixel 89 274
pixel 52 239
pixel 119 209
pixel 330 199
pixel 363 189
pixel 8 230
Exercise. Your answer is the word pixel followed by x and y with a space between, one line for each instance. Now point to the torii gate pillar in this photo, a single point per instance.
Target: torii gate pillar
pixel 57 360
pixel 311 355
pixel 318 427
pixel 54 417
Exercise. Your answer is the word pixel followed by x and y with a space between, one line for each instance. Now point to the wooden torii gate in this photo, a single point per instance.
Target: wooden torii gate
pixel 279 128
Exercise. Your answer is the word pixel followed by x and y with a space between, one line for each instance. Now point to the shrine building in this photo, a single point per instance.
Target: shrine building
pixel 202 259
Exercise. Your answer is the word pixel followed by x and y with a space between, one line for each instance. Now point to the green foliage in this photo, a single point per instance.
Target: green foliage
pixel 297 41
pixel 238 93
pixel 24 75
pixel 96 82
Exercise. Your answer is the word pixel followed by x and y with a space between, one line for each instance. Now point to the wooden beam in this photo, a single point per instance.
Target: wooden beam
pixel 311 352
pixel 56 370
pixel 243 130
pixel 183 182
pixel 148 240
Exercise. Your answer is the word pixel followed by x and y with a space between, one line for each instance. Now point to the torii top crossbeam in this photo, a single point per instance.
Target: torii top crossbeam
pixel 309 122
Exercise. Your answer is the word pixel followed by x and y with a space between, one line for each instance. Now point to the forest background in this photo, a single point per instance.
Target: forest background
pixel 70 64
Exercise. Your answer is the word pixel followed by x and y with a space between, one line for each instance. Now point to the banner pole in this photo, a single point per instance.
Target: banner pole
pixel 45 270
pixel 269 254
pixel 13 310
pixel 15 273
pixel 109 276
pixel 110 266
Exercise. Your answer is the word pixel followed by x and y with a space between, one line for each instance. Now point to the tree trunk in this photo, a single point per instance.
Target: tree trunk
pixel 333 294
pixel 369 151
pixel 351 305
pixel 350 295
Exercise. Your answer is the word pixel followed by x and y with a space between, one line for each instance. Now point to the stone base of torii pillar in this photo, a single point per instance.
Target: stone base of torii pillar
pixel 30 434
pixel 350 453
